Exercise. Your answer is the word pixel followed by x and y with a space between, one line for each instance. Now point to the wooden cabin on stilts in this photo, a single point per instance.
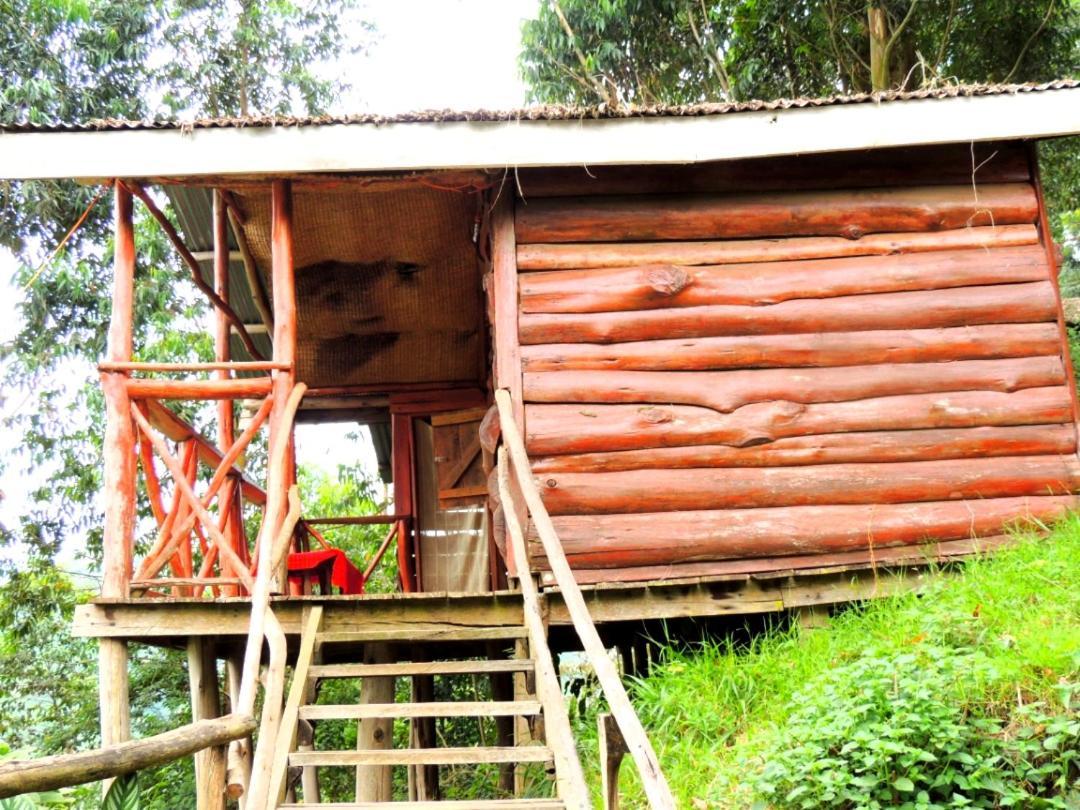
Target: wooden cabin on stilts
pixel 618 366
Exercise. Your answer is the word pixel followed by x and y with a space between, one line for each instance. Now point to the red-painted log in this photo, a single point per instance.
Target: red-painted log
pixel 782 351
pixel 660 286
pixel 918 554
pixel 831 448
pixel 727 391
pixel 616 541
pixel 871 168
pixel 199 389
pixel 563 429
pixel 1032 302
pixel 749 487
pixel 800 213
pixel 584 255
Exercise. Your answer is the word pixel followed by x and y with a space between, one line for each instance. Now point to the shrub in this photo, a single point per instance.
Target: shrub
pixel 909 730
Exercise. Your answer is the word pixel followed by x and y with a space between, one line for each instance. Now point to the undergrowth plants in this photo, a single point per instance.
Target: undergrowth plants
pixel 965 694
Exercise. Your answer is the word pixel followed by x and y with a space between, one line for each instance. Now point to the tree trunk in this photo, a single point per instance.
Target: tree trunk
pixel 879 36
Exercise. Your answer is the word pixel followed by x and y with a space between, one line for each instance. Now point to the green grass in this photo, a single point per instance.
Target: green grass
pixel 718 714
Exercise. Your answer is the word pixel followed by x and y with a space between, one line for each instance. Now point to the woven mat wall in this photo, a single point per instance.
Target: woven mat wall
pixel 387 284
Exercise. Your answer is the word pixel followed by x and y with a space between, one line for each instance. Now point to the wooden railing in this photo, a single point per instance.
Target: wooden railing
pixel 201 539
pixel 513 455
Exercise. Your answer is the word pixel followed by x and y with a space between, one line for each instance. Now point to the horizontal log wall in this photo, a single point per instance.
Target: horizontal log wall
pixel 774 360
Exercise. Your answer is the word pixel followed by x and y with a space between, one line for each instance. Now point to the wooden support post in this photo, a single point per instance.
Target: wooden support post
pixel 223 354
pixel 309 776
pixel 612 750
pixel 206 705
pixel 238 758
pixel 422 731
pixel 402 461
pixel 502 689
pixel 119 485
pixel 374 783
pixel 284 295
pixel 812 617
pixel 504 266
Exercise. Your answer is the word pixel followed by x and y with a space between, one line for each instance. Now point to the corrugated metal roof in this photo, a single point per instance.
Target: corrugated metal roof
pixel 549 112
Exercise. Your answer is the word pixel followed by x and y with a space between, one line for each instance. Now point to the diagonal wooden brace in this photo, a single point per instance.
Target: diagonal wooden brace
pixel 152 564
pixel 195 503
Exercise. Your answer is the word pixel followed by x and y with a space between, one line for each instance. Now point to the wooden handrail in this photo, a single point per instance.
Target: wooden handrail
pixel 637 741
pixel 242 388
pixel 51 773
pixel 263 623
pixel 568 774
pixel 355 520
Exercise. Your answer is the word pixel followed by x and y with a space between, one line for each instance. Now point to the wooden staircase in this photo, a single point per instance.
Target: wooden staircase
pixel 537 709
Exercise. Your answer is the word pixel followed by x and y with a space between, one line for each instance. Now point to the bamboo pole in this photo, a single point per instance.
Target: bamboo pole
pixel 251 267
pixel 119 484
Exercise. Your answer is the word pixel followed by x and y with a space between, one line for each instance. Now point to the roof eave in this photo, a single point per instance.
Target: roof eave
pixel 418 146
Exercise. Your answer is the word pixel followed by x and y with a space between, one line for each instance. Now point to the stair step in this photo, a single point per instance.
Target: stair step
pixel 406 668
pixel 483 708
pixel 469 804
pixel 422 756
pixel 422 633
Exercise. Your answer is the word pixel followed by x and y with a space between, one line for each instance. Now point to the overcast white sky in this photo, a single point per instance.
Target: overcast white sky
pixel 459 54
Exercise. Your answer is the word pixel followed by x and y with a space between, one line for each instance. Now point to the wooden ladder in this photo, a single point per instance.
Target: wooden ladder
pixel 537 704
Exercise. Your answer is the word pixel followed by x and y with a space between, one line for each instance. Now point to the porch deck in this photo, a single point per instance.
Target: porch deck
pixel 479 616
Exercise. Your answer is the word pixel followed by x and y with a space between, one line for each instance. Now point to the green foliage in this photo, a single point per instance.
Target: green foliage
pixel 908 730
pixel 66 60
pixel 123 794
pixel 256 57
pixel 681 51
pixel 351 492
pixel 992 648
pixel 49 703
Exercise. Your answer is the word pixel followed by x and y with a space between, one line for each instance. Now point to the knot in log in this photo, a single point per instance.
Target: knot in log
pixel 656 416
pixel 667 279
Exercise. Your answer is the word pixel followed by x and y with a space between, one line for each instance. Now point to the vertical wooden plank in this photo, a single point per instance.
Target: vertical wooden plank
pixel 119 484
pixel 504 265
pixel 206 704
pixel 1054 267
pixel 374 783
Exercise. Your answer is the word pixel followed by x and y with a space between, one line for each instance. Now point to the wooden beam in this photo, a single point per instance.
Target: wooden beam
pixel 50 773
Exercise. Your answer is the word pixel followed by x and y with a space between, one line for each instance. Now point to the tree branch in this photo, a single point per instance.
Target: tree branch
pixel 1023 51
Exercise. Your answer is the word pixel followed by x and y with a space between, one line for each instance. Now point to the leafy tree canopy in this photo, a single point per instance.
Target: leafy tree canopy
pixel 683 51
pixel 76 60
